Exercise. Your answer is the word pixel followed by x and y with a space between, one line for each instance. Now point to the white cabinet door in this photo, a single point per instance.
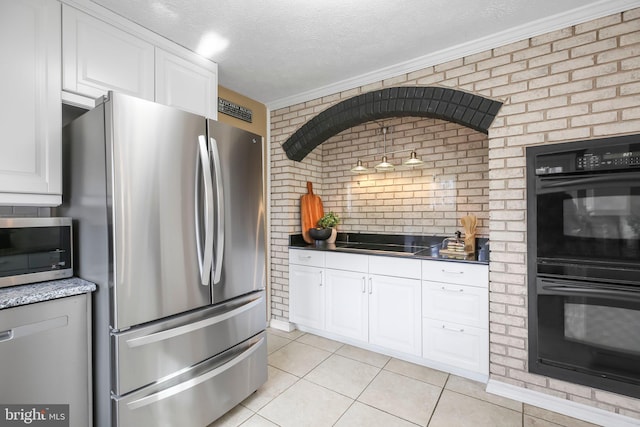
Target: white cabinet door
pixel 395 313
pixel 30 111
pixel 306 296
pixel 462 346
pixel 98 57
pixel 347 304
pixel 185 85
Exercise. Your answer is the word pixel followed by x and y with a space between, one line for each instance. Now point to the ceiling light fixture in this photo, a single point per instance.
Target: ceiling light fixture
pixel 413 160
pixel 359 167
pixel 210 44
pixel 384 165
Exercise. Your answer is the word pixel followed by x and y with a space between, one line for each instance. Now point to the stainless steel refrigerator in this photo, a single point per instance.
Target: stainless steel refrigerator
pixel 168 211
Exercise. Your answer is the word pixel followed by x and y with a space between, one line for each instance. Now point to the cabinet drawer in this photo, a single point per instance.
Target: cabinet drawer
pixel 212 386
pixel 306 257
pixel 456 272
pixel 394 266
pixel 351 262
pixel 146 353
pixel 457 345
pixel 467 305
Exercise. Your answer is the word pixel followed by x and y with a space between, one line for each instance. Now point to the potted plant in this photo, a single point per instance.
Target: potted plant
pixel 330 220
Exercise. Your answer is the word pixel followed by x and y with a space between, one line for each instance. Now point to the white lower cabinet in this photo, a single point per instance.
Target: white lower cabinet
pixel 379 309
pixel 306 294
pixel 394 314
pixel 306 288
pixel 382 303
pixel 347 304
pixel 453 344
pixel 455 310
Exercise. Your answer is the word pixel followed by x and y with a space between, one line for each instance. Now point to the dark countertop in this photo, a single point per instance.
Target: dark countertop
pixel 396 245
pixel 15 296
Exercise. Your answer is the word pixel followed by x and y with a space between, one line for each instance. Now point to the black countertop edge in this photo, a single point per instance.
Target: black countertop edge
pixel 427 247
pixel 15 296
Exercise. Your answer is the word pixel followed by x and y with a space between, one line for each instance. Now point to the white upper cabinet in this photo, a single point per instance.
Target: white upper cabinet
pixel 30 111
pixel 185 85
pixel 102 51
pixel 98 57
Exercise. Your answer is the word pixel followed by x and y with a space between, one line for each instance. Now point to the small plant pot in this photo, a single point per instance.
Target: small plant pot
pixel 320 233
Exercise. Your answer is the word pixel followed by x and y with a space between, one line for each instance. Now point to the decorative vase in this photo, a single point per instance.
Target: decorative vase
pixel 334 234
pixel 320 233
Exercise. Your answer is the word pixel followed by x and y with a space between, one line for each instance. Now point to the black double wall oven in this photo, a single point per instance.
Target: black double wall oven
pixel 583 224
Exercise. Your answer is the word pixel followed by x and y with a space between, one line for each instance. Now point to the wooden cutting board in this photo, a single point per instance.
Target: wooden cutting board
pixel 310 212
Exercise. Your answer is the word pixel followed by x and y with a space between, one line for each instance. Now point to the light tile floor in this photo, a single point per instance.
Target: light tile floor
pixel 317 382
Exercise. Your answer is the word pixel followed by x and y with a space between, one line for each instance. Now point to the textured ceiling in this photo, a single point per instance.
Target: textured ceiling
pixel 280 50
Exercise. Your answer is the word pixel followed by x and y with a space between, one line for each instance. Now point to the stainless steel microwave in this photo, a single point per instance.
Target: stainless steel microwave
pixel 35 250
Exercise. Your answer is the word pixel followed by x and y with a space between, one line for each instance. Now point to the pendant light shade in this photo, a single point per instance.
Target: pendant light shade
pixel 384 165
pixel 413 160
pixel 359 168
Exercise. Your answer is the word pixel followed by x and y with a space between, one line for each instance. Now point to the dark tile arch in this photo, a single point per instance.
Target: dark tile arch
pixel 467 109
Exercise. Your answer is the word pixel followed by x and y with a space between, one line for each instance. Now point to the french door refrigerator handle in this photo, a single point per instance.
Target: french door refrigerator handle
pixel 205 259
pixel 219 238
pixel 171 391
pixel 181 330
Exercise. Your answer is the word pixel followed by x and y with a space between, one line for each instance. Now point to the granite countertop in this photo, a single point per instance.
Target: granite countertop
pixel 15 296
pixel 405 246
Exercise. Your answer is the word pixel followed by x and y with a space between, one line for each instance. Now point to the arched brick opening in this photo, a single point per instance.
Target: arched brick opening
pixel 467 109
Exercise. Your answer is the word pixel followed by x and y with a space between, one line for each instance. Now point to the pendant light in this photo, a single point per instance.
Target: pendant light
pixel 413 160
pixel 384 165
pixel 359 167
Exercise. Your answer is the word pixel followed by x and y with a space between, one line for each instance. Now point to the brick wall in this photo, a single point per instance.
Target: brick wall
pixel 576 83
pixel 429 199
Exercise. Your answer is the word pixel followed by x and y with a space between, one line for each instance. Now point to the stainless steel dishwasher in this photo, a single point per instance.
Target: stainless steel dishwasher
pixel 44 349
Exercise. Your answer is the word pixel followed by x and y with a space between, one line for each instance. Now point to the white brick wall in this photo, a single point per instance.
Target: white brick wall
pixel 576 83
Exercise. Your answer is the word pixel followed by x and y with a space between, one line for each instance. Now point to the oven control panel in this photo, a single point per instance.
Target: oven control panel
pixel 591 161
pixel 590 156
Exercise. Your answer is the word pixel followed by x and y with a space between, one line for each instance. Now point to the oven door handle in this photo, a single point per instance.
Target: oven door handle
pixel 595 291
pixel 618 178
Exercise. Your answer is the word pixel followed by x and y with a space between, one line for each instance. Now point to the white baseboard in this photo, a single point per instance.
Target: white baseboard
pixel 562 406
pixel 281 325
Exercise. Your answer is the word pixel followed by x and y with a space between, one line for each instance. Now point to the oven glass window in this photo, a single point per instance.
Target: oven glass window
pixel 601 215
pixel 611 328
pixel 590 223
pixel 595 335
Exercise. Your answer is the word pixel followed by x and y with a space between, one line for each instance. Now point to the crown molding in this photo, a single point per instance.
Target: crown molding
pixel 522 32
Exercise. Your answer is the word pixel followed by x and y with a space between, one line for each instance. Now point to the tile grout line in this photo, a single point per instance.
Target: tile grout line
pixel 435 407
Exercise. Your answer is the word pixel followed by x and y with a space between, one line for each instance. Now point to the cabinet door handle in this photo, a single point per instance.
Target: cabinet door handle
pixel 321 278
pixel 444 288
pixel 452 272
pixel 364 285
pixel 452 329
pixel 370 285
pixel 6 335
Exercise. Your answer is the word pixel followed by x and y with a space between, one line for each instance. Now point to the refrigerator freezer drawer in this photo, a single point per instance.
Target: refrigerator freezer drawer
pixel 150 353
pixel 200 395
